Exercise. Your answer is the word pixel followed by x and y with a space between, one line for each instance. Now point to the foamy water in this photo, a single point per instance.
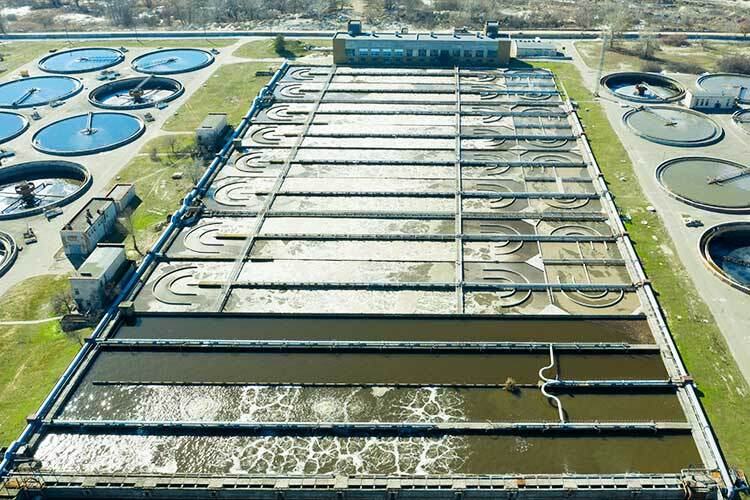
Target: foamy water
pixel 250 454
pixel 258 403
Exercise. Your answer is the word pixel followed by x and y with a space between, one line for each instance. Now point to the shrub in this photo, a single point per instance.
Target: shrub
pixel 651 67
pixel 686 67
pixel 677 40
pixel 510 385
pixel 279 44
pixel 735 64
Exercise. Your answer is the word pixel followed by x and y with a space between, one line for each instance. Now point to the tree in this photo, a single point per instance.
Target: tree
pixel 647 46
pixel 619 21
pixel 279 44
pixel 128 223
pixel 3 26
pixel 744 27
pixel 121 12
pixel 584 15
pixel 194 170
pixel 62 302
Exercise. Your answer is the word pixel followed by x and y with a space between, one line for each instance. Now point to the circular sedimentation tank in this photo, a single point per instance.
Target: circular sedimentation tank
pixel 673 126
pixel 643 87
pixel 81 60
pixel 30 188
pixel 172 61
pixel 8 252
pixel 727 82
pixel 37 91
pixel 88 134
pixel 709 183
pixel 726 250
pixel 11 126
pixel 136 93
pixel 742 120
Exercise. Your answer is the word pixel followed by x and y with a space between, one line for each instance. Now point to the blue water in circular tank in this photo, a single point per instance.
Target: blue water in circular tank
pixel 11 126
pixel 37 91
pixel 171 61
pixel 81 60
pixel 88 134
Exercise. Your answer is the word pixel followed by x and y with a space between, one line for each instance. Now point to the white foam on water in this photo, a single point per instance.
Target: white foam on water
pixel 83 453
pixel 266 404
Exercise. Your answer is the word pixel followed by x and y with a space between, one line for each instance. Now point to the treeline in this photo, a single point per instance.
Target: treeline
pixel 129 13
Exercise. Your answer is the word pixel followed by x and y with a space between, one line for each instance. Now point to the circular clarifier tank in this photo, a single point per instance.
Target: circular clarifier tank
pixel 30 188
pixel 37 91
pixel 88 134
pixel 643 87
pixel 11 126
pixel 709 183
pixel 673 126
pixel 8 252
pixel 136 93
pixel 727 82
pixel 742 120
pixel 81 60
pixel 172 61
pixel 726 250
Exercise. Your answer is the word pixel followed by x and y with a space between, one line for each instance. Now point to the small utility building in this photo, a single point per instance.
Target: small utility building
pixel 93 285
pixel 401 48
pixel 703 100
pixel 533 47
pixel 210 134
pixel 88 227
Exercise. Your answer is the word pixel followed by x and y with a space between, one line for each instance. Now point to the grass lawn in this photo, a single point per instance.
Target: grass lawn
pixel 702 346
pixel 263 49
pixel 16 54
pixel 32 357
pixel 160 195
pixel 670 58
pixel 229 90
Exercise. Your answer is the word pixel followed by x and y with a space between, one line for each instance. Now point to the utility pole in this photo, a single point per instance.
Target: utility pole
pixel 600 69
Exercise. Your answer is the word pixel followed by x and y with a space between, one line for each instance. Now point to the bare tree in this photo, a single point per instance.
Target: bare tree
pixel 194 171
pixel 62 302
pixel 153 154
pixel 130 227
pixel 647 46
pixel 3 26
pixel 121 12
pixel 744 27
pixel 584 15
pixel 619 21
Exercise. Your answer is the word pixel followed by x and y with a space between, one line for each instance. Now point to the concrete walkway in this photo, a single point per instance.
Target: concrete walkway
pixel 31 321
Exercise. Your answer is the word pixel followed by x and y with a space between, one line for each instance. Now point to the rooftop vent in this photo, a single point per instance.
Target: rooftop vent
pixel 354 27
pixel 492 29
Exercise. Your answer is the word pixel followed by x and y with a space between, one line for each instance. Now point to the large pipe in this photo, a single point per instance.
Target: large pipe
pixel 112 312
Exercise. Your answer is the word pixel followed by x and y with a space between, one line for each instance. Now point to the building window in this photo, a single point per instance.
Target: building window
pixel 433 53
pixel 422 52
pixel 467 53
pixel 375 52
pixel 409 52
pixel 363 52
pixel 480 53
pixel 456 53
pixel 349 52
pixel 387 52
pixel 399 53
